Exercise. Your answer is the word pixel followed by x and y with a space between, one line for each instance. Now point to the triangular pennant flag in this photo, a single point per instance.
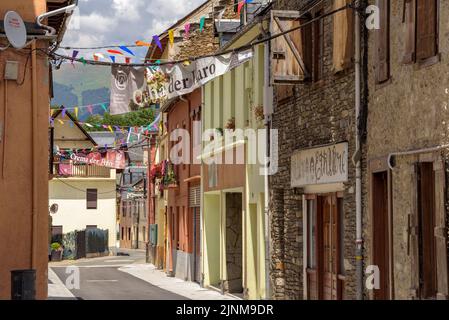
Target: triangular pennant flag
pixel 240 6
pixel 104 107
pixel 171 36
pixel 105 126
pixel 60 121
pixel 187 30
pixel 127 50
pixel 112 58
pixel 202 21
pixel 157 41
pixel 89 125
pixel 99 55
pixel 89 108
pixel 143 44
pixel 74 54
pixel 115 52
pixel 95 57
pixel 63 112
pixel 71 124
pixel 83 60
pixel 76 112
pixel 127 60
pixel 110 129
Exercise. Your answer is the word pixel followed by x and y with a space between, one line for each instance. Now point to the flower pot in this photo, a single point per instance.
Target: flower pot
pixel 56 255
pixel 172 186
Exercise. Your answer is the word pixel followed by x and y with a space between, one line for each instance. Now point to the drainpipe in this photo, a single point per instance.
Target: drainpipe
pixel 268 100
pixel 357 159
pixel 34 141
pixel 50 30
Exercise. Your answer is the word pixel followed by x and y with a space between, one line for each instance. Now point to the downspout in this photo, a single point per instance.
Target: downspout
pixel 202 191
pixel 268 100
pixel 34 139
pixel 357 158
pixel 50 30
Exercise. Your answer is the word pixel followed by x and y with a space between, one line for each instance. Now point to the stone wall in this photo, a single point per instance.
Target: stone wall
pixel 408 112
pixel 315 114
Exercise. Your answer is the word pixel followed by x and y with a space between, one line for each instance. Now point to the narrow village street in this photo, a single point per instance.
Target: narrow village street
pixel 124 277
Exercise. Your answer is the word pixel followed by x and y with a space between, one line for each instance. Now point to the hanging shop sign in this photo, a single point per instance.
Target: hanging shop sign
pixel 127 88
pixel 184 78
pixel 321 165
pixel 114 159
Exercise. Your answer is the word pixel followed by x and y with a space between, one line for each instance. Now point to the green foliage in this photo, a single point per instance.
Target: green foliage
pixel 142 117
pixel 55 246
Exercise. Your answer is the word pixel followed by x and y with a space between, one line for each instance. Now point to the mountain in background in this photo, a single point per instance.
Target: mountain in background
pixel 81 85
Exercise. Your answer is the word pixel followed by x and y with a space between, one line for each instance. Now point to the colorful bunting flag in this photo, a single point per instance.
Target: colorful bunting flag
pixel 89 108
pixel 171 36
pixel 187 30
pixel 143 44
pixel 157 41
pixel 83 60
pixel 103 105
pixel 110 129
pixel 128 60
pixel 111 51
pixel 74 54
pixel 202 21
pixel 240 6
pixel 112 58
pixel 127 50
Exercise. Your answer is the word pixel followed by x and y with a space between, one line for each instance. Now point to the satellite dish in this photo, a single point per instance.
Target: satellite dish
pixel 15 29
pixel 54 208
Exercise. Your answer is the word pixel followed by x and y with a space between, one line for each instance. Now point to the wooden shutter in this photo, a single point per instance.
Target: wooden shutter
pixel 289 55
pixel 382 46
pixel 91 196
pixel 426 29
pixel 343 36
pixel 409 18
pixel 440 230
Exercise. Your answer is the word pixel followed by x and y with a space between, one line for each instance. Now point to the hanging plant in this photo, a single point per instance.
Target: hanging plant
pixel 156 172
pixel 258 113
pixel 230 125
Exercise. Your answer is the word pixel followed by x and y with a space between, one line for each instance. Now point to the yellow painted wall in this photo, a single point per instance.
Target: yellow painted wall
pixel 233 95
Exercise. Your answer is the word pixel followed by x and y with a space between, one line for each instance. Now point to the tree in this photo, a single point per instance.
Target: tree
pixel 139 118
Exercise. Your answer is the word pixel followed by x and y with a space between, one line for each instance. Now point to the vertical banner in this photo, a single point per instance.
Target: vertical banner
pixel 127 87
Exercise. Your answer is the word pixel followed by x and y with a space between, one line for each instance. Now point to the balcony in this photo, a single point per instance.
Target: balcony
pixel 70 170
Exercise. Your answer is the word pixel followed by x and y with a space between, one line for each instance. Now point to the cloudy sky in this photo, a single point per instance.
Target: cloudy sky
pixel 120 22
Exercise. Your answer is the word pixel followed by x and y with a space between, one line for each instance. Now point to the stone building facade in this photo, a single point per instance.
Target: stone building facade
pixel 315 117
pixel 408 108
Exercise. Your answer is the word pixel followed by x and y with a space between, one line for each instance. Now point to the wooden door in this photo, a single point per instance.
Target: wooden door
pixel 330 248
pixel 426 216
pixel 381 246
pixel 324 240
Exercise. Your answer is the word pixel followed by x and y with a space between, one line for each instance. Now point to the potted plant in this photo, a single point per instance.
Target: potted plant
pixel 170 179
pixel 156 172
pixel 258 113
pixel 56 251
pixel 230 125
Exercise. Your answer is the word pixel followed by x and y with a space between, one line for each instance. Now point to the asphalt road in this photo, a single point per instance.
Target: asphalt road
pixel 100 279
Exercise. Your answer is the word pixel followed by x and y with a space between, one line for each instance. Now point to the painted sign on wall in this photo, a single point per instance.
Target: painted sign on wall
pixel 114 159
pixel 321 165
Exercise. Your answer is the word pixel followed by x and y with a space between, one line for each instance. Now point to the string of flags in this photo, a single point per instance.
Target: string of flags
pixel 125 52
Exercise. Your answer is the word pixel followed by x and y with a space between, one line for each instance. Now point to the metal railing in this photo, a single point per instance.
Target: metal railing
pixel 80 170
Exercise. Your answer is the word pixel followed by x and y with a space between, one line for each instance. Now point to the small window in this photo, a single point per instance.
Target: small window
pixel 91 197
pixel 318 47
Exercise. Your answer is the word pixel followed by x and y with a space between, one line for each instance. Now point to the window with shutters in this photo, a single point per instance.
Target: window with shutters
pixel 382 45
pixel 343 36
pixel 91 197
pixel 421 40
pixel 291 54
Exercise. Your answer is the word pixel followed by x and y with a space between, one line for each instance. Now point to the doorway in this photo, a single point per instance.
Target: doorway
pixel 196 245
pixel 234 243
pixel 426 223
pixel 381 247
pixel 324 257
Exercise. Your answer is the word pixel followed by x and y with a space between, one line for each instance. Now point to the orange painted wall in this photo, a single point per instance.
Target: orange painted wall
pixel 16 157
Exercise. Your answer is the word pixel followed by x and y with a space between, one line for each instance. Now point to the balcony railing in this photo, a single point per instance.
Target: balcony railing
pixel 80 170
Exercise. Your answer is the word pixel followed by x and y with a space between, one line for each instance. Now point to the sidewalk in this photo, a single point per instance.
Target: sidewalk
pixel 158 278
pixel 56 289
